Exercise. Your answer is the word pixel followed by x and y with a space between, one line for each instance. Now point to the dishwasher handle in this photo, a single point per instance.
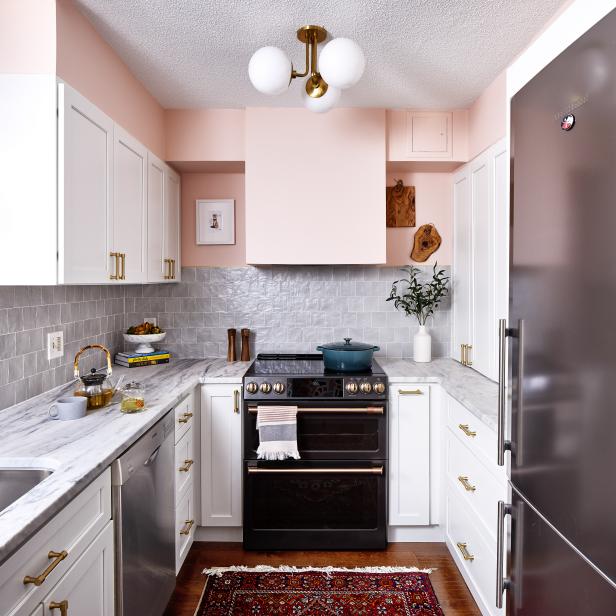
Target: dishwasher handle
pixel 153 457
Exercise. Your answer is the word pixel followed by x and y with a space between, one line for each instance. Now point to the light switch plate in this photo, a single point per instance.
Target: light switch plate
pixel 55 345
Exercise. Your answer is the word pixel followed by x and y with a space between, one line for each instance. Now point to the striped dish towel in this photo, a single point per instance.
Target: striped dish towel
pixel 277 427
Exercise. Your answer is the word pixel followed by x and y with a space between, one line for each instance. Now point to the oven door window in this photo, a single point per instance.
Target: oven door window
pixel 300 497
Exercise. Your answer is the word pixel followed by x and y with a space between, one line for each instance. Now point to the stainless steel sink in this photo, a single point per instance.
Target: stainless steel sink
pixel 15 482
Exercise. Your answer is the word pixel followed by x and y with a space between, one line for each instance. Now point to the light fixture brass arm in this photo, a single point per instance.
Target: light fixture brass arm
pixel 294 73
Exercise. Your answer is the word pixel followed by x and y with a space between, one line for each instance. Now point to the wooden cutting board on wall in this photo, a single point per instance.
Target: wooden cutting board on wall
pixel 400 205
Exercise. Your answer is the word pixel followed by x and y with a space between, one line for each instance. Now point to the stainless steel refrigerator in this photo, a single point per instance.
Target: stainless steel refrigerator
pixel 561 336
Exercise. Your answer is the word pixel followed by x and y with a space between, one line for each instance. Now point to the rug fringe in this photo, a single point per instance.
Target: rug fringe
pixel 218 571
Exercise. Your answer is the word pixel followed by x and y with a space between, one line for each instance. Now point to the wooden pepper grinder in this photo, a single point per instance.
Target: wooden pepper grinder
pixel 231 356
pixel 245 344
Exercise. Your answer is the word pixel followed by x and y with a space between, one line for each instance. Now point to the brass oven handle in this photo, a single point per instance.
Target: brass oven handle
pixel 374 470
pixel 187 464
pixel 58 557
pixel 185 417
pixel 464 551
pixel 367 410
pixel 115 276
pixel 236 400
pixel 123 265
pixel 60 605
pixel 410 392
pixel 187 526
pixel 467 430
pixel 467 486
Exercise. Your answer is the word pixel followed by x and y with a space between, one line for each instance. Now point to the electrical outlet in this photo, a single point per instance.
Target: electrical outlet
pixel 55 345
pixel 151 320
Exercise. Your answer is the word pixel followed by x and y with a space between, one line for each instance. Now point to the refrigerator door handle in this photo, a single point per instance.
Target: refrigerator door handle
pixel 502 583
pixel 502 443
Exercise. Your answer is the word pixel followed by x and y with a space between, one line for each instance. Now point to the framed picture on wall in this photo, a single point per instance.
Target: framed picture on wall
pixel 215 221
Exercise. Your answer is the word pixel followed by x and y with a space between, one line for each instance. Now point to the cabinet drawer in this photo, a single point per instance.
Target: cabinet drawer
pixel 483 490
pixel 464 533
pixel 71 530
pixel 473 432
pixel 184 416
pixel 184 527
pixel 184 463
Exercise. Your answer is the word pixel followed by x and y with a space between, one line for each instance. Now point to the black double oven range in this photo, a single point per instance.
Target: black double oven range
pixel 335 496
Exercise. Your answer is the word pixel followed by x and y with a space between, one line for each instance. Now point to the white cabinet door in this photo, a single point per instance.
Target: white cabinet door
pixel 462 263
pixel 85 181
pixel 172 222
pixel 221 455
pixel 129 204
pixel 156 221
pixel 88 586
pixel 428 134
pixel 409 455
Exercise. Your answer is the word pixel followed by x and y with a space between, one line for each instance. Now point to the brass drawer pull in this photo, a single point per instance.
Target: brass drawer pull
pixel 187 465
pixel 187 526
pixel 464 551
pixel 410 392
pixel 236 400
pixel 467 486
pixel 185 417
pixel 466 430
pixel 60 605
pixel 58 557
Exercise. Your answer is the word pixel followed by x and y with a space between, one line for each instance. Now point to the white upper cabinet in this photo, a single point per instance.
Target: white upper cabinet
pixel 426 135
pixel 85 184
pixel 129 205
pixel 481 216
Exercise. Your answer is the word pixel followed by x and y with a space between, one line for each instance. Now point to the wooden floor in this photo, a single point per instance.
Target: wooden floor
pixel 452 592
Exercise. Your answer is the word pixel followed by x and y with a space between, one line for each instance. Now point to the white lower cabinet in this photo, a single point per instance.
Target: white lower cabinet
pixel 78 541
pixel 409 455
pixel 221 455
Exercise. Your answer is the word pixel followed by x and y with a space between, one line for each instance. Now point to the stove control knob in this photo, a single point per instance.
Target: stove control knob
pixel 365 387
pixel 278 387
pixel 252 388
pixel 379 388
pixel 265 388
pixel 351 387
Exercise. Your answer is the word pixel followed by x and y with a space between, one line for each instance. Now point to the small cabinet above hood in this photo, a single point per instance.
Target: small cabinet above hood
pixel 315 186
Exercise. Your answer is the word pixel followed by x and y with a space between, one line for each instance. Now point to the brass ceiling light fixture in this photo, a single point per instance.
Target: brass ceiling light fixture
pixel 339 66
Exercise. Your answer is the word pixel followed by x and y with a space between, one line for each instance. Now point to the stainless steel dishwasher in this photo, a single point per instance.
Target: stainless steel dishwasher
pixel 143 510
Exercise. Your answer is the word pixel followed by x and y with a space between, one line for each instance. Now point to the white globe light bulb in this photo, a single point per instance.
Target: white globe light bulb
pixel 342 63
pixel 323 103
pixel 269 70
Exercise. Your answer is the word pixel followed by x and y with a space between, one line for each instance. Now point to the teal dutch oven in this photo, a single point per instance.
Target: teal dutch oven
pixel 347 356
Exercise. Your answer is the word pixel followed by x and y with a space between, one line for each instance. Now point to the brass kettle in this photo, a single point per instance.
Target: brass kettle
pixel 95 386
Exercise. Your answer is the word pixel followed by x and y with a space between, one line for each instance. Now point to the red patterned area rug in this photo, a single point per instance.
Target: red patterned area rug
pixel 290 591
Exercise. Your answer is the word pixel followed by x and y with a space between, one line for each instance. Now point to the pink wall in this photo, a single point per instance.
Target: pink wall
pixel 86 62
pixel 212 186
pixel 204 134
pixel 432 205
pixel 487 117
pixel 27 36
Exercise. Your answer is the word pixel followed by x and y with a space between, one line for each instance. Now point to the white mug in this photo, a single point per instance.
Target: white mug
pixel 70 407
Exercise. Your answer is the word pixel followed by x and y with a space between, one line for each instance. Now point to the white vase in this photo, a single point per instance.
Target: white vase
pixel 422 345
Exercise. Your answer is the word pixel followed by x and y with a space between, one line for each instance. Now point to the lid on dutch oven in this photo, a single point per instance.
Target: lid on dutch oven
pixel 347 345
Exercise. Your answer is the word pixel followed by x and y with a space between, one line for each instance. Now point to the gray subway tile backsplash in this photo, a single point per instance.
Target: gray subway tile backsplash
pixel 288 309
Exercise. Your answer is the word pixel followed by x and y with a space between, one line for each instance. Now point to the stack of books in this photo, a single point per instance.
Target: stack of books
pixel 134 360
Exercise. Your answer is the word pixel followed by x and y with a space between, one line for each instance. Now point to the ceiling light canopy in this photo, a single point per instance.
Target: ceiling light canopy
pixel 342 64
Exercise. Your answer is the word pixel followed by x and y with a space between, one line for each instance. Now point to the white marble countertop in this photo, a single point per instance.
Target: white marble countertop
pixel 78 451
pixel 471 389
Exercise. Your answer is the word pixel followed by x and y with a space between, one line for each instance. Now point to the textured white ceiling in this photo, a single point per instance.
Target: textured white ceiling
pixel 420 53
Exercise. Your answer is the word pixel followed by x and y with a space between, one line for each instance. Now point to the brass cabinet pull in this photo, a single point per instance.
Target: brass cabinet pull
pixel 167 263
pixel 60 605
pixel 172 269
pixel 185 417
pixel 236 400
pixel 187 464
pixel 187 526
pixel 123 265
pixel 373 470
pixel 464 551
pixel 410 392
pixel 469 347
pixel 466 430
pixel 467 486
pixel 58 557
pixel 115 276
pixel 462 359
